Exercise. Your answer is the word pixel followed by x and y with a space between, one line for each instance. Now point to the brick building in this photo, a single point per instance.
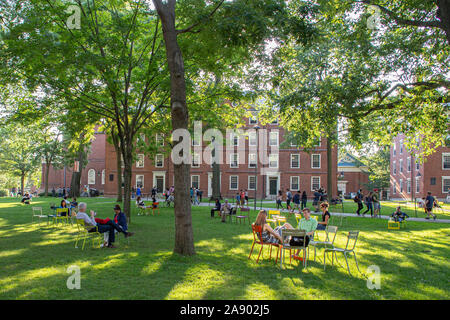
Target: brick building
pixel 410 179
pixel 93 174
pixel 287 167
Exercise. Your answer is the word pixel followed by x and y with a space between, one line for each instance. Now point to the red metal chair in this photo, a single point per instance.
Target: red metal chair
pixel 257 230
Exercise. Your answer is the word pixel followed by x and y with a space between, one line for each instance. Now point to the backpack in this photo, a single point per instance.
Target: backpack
pixel 356 199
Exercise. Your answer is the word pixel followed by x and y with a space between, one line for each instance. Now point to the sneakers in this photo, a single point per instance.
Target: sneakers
pixel 129 234
pixel 111 246
pixel 434 217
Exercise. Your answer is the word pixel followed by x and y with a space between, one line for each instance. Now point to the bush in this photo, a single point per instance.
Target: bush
pixel 4 192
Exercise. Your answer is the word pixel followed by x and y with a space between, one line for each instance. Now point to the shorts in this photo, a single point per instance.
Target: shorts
pixel 376 206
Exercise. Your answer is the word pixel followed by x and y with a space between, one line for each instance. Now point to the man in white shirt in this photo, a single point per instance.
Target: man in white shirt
pixel 102 228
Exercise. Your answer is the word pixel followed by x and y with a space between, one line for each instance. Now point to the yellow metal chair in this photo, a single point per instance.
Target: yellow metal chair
pixel 272 216
pixel 62 214
pixel 84 234
pixel 298 216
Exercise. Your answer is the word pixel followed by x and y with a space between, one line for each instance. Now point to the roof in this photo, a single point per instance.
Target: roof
pixel 349 161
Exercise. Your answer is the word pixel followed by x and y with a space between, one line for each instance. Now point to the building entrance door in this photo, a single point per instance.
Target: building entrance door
pixel 273 184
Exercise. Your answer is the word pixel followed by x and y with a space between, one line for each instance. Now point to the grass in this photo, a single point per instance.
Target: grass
pixel 414 262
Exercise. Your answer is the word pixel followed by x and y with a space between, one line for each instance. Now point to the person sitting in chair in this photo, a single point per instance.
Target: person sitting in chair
pixel 269 235
pixel 103 225
pixel 217 207
pixel 225 210
pixel 26 198
pixel 322 225
pixel 306 224
pixel 399 215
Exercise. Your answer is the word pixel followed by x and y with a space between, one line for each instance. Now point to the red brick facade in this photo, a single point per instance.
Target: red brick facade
pixel 417 179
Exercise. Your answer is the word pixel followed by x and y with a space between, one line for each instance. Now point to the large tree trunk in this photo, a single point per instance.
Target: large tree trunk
pixel 116 144
pixel 22 182
pixel 443 15
pixel 329 171
pixel 216 182
pixel 184 239
pixel 47 171
pixel 127 172
pixel 75 182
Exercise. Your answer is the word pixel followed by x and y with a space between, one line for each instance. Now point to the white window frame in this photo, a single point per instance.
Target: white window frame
pixel 394 188
pixel 394 166
pixel 156 160
pixel 408 185
pixel 143 180
pixel 233 160
pixel 249 185
pixel 91 176
pixel 312 183
pixel 408 164
pixel 237 182
pixel 401 146
pixel 198 181
pixel 443 157
pixel 277 139
pixel 394 149
pixel 140 157
pixel 103 176
pixel 233 136
pixel 417 184
pixel 401 165
pixel 295 154
pixel 159 140
pixel 251 120
pixel 298 183
pixel 444 178
pixel 250 161
pixel 312 161
pixel 250 134
pixel 401 185
pixel 271 156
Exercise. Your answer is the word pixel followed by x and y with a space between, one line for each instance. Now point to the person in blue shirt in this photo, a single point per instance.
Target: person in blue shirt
pixel 369 206
pixel 429 204
pixel 296 201
pixel 399 215
pixel 238 200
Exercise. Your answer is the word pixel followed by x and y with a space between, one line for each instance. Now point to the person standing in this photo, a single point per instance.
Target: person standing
pixel 304 200
pixel 242 198
pixel 376 204
pixel 191 193
pixel 246 196
pixel 288 199
pixel 429 204
pixel 279 200
pixel 296 200
pixel 317 196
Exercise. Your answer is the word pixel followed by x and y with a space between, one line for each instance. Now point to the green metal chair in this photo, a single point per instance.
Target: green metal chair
pixel 84 234
pixel 352 238
pixel 286 234
pixel 331 232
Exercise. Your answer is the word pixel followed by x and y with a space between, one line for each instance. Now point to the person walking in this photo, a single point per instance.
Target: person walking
pixel 368 201
pixel 429 204
pixel 288 200
pixel 358 200
pixel 376 204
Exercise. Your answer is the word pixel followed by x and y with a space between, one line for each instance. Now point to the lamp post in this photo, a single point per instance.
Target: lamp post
pixel 256 163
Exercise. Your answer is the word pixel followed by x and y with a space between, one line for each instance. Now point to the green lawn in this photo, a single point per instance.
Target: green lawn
pixel 414 262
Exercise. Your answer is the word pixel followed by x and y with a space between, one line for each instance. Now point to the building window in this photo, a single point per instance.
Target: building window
pixel 251 182
pixel 234 139
pixel 318 144
pixel 315 183
pixel 446 161
pixel 445 184
pixel 254 118
pixel 417 185
pixel 159 140
pixel 408 164
pixel 195 160
pixel 408 186
pixel 401 185
pixel 433 181
pixel 401 147
pixel 140 181
pixel 103 176
pixel 234 182
pixel 295 183
pixel 275 121
pixel 394 150
pixel 273 161
pixel 252 160
pixel 417 166
pixel 111 177
pixel 295 161
pixel 273 139
pixel 394 188
pixel 159 161
pixel 315 161
pixel 252 138
pixel 195 182
pixel 140 161
pixel 91 176
pixel 401 166
pixel 395 167
pixel 234 160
